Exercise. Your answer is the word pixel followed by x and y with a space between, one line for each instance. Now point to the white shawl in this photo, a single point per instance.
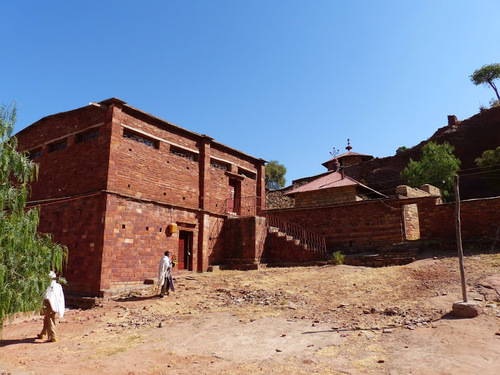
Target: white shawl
pixel 165 267
pixel 55 296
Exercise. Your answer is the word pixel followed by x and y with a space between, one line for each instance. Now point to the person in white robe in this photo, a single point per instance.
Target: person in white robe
pixel 164 275
pixel 53 305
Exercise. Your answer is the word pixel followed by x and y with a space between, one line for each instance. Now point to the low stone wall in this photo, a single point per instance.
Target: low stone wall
pixel 352 227
pixel 479 219
pixel 370 226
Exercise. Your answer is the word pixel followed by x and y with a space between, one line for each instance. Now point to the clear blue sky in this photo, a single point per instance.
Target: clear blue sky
pixel 284 80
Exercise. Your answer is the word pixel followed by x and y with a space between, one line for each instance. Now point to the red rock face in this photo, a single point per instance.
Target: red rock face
pixel 470 138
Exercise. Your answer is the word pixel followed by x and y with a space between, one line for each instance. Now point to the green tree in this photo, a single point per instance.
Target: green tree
pixel 275 175
pixel 26 257
pixel 489 162
pixel 437 167
pixel 486 75
pixel 401 149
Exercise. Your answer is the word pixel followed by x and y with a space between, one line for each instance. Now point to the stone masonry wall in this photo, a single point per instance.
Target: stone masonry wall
pixel 70 162
pixel 169 172
pixel 244 240
pixel 350 227
pixel 153 173
pixel 479 219
pixel 280 251
pixel 136 236
pixel 325 197
pixel 411 222
pixel 78 224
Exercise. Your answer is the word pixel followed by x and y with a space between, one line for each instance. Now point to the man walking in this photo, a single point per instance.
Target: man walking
pixel 53 304
pixel 164 275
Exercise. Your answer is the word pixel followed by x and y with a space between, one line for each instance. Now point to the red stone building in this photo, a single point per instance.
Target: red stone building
pixel 119 186
pixel 332 188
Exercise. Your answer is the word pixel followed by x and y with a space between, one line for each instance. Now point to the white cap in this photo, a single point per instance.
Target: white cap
pixel 52 275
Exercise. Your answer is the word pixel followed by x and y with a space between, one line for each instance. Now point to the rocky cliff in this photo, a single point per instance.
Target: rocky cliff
pixel 470 138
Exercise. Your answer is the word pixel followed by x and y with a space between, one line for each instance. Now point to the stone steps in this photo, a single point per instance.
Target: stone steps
pixel 296 241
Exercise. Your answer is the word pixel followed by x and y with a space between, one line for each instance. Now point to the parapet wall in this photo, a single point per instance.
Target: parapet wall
pixel 371 225
pixel 479 219
pixel 350 227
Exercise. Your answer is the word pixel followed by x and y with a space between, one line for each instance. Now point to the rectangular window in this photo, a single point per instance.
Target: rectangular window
pixel 219 165
pixel 60 145
pixel 183 153
pixel 141 139
pixel 35 153
pixel 86 136
pixel 247 173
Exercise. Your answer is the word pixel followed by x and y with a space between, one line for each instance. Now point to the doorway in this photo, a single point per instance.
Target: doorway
pixel 185 261
pixel 233 197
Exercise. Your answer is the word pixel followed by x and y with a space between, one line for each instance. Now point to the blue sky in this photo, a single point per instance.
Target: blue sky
pixel 284 80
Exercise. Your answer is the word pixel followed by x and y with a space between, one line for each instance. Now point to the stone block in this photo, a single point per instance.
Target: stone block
pixel 468 309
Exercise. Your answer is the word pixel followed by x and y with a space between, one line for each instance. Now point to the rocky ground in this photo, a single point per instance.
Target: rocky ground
pixel 304 320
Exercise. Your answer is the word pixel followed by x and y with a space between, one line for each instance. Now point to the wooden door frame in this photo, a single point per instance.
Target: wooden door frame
pixel 188 237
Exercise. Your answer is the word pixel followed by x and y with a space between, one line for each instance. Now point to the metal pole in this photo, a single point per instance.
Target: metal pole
pixel 459 239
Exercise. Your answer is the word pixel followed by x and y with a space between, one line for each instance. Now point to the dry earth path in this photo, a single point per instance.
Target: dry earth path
pixel 304 320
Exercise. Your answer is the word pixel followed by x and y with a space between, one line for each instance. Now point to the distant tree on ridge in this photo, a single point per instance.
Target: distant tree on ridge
pixel 275 175
pixel 486 75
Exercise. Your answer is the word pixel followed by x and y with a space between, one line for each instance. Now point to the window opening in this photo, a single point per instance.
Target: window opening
pixel 86 136
pixel 182 153
pixel 61 145
pixel 141 139
pixel 35 153
pixel 246 173
pixel 219 165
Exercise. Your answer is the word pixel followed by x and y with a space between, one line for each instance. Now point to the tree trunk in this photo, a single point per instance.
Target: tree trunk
pixel 495 88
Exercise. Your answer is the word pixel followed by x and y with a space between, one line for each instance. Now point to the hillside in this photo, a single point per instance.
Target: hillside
pixel 470 138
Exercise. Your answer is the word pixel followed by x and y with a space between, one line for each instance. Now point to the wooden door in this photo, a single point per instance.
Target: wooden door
pixel 182 256
pixel 185 261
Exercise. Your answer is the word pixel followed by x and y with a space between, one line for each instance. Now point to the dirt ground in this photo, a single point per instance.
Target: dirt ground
pixel 304 320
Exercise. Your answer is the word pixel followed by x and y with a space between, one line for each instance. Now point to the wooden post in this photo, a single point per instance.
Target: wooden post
pixel 459 239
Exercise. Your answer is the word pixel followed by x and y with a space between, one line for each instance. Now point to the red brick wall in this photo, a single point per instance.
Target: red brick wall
pixel 78 224
pixel 351 226
pixel 325 197
pixel 479 218
pixel 149 173
pixel 278 251
pixel 244 240
pixel 136 237
pixel 365 224
pixel 147 189
pixel 156 174
pixel 80 167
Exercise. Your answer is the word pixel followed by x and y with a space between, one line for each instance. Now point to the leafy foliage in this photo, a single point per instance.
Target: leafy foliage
pixel 489 162
pixel 275 175
pixel 486 75
pixel 338 258
pixel 401 149
pixel 437 167
pixel 26 257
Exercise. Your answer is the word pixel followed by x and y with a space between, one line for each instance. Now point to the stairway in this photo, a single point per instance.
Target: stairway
pixel 293 233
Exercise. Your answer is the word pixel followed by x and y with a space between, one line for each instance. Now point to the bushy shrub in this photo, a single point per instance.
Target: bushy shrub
pixel 338 257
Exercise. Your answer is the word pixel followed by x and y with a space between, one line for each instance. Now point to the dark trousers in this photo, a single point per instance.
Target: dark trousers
pixel 166 285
